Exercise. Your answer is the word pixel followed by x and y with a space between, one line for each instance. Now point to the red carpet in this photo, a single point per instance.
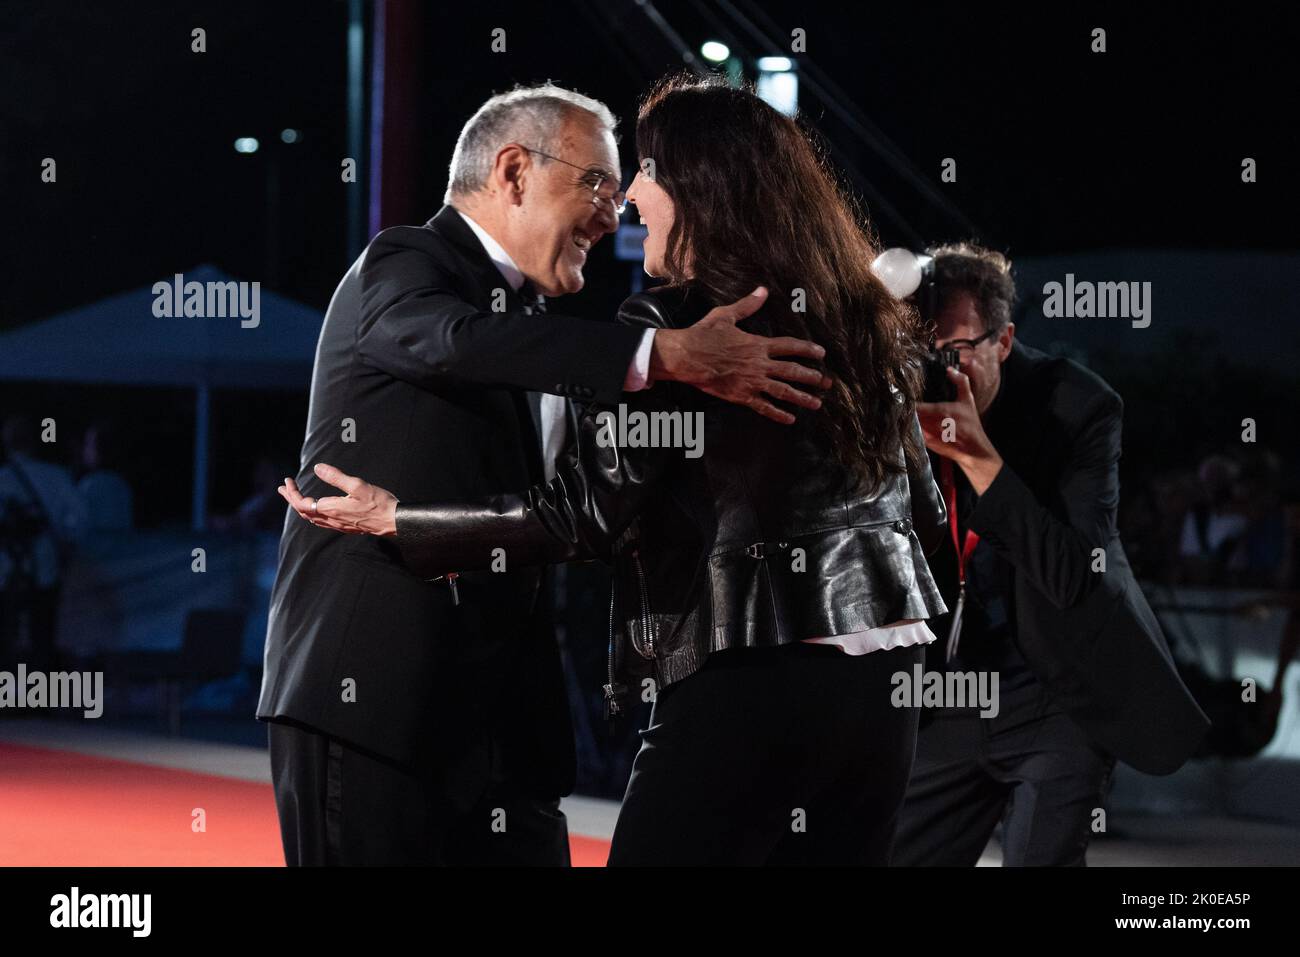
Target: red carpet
pixel 58 808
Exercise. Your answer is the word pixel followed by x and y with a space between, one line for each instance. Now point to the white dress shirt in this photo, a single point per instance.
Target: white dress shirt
pixel 898 634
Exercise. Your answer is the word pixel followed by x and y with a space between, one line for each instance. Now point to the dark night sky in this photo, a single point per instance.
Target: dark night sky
pixel 1057 148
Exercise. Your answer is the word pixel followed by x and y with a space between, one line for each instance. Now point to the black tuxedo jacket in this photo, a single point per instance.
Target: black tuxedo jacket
pixel 420 387
pixel 1089 636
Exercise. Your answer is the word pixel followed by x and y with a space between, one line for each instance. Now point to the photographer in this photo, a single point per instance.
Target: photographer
pixel 1027 451
pixel 40 515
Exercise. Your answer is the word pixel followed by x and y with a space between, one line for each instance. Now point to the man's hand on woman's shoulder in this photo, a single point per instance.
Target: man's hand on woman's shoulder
pixel 716 357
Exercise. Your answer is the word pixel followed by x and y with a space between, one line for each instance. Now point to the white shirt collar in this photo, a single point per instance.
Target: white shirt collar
pixel 496 252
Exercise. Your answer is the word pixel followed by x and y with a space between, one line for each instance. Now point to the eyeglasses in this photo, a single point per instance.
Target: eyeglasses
pixel 964 345
pixel 604 187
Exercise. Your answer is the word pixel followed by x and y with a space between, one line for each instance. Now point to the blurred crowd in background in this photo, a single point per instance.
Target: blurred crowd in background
pixel 1222 522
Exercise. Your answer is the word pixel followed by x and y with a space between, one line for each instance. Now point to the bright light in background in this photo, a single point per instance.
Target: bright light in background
pixel 715 51
pixel 780 90
pixel 775 64
pixel 289 136
pixel 246 144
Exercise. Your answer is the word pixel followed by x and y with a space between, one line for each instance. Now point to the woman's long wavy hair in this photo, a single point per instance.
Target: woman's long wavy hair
pixel 757 204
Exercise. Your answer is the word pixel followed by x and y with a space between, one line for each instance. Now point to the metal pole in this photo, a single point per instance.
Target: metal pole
pixel 202 426
pixel 356 127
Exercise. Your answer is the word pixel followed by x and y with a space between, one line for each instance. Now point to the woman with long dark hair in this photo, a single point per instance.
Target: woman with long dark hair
pixel 769 580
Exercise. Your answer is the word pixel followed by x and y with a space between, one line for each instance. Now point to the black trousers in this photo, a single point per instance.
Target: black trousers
pixel 342 806
pixel 1029 767
pixel 783 756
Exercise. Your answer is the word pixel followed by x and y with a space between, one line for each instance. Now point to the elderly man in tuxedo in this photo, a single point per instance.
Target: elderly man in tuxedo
pixel 426 722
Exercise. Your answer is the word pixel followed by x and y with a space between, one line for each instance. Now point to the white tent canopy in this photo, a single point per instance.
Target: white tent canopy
pixel 119 341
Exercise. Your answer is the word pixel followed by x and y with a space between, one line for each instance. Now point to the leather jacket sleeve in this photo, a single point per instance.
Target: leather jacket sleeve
pixel 598 490
pixel 929 514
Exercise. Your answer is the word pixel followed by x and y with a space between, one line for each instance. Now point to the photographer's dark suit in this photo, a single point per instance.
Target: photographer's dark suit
pixel 401 720
pixel 1085 674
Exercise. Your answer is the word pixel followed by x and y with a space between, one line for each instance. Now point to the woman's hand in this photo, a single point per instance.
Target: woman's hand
pixel 365 510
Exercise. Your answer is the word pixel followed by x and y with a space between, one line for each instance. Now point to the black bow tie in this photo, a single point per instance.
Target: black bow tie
pixel 532 299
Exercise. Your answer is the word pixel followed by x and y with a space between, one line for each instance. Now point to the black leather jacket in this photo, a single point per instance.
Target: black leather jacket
pixel 760 540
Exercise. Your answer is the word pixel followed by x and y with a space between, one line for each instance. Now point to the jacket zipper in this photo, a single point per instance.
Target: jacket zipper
pixel 613 691
pixel 645 606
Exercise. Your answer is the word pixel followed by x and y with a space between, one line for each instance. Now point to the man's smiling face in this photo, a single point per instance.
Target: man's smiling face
pixel 556 221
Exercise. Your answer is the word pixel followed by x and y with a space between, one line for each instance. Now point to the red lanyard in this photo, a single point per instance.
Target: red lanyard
pixel 950 497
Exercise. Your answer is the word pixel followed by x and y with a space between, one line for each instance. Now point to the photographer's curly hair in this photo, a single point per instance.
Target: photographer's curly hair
pixel 757 204
pixel 983 273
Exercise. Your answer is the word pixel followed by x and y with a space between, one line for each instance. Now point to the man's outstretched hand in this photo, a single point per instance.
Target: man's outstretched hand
pixel 717 358
pixel 365 510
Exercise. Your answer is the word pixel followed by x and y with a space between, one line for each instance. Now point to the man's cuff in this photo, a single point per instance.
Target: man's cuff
pixel 638 373
pixel 1006 493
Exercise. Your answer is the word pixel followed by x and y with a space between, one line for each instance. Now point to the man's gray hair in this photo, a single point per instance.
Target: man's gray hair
pixel 531 116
